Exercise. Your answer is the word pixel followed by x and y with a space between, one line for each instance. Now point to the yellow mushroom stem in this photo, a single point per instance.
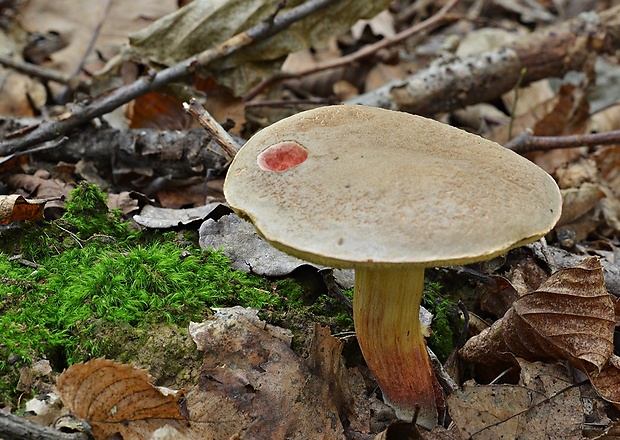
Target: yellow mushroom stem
pixel 386 307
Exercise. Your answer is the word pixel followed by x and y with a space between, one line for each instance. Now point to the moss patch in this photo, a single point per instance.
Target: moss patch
pixel 99 288
pixel 445 318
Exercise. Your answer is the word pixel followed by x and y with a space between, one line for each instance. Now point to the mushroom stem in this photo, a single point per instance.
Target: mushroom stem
pixel 386 307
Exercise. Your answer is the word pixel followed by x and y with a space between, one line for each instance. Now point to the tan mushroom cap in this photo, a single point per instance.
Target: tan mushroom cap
pixel 384 188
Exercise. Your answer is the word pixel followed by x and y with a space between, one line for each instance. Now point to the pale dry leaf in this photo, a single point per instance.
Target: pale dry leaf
pixel 117 399
pixel 543 405
pixel 607 163
pixel 578 201
pixel 203 23
pixel 571 317
pixel 564 114
pixel 76 22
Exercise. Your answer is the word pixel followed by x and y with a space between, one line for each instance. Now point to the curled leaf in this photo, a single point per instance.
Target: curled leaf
pixel 14 207
pixel 571 317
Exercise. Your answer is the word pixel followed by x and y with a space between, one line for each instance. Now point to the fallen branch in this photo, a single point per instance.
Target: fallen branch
pixel 221 136
pixel 50 130
pixel 42 73
pixel 436 20
pixel 13 427
pixel 526 142
pixel 483 77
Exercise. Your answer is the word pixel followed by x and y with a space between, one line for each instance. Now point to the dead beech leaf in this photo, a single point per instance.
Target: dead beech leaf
pixel 253 386
pixel 203 23
pixel 578 201
pixel 543 405
pixel 117 399
pixel 607 383
pixel 570 316
pixel 15 207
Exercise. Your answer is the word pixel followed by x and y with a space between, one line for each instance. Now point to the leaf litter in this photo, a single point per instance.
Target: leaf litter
pixel 570 317
pixel 251 385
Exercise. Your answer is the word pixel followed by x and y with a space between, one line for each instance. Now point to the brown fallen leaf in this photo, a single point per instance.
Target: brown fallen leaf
pixel 543 405
pixel 117 399
pixel 578 201
pixel 14 208
pixel 254 386
pixel 607 383
pixel 571 317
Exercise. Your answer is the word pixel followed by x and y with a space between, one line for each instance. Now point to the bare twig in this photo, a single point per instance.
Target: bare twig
pixel 526 142
pixel 50 130
pixel 40 72
pixel 221 136
pixel 428 24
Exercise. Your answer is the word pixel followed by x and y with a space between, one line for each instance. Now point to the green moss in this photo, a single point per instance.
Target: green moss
pixel 87 212
pixel 101 288
pixel 445 319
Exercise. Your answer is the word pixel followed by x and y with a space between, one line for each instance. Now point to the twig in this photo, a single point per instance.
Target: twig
pixel 40 72
pixel 292 102
pixel 66 94
pixel 46 146
pixel 50 130
pixel 428 24
pixel 13 427
pixel 526 142
pixel 513 109
pixel 209 123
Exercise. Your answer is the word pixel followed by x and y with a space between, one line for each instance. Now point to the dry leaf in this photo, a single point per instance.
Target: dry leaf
pixel 153 217
pixel 571 317
pixel 254 386
pixel 158 110
pixel 607 383
pixel 204 23
pixel 543 405
pixel 117 399
pixel 576 202
pixel 14 208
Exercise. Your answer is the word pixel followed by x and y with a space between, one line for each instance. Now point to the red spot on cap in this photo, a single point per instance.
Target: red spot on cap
pixel 282 156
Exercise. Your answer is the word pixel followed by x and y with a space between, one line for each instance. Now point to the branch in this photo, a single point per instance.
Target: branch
pixel 436 20
pixel 486 76
pixel 41 72
pixel 13 427
pixel 50 130
pixel 526 142
pixel 221 136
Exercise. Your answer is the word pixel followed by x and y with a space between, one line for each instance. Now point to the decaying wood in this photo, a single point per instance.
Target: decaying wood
pixel 457 83
pixel 432 22
pixel 221 136
pixel 50 130
pixel 171 154
pixel 13 427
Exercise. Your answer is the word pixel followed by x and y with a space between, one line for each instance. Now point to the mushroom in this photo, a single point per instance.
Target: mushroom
pixel 389 194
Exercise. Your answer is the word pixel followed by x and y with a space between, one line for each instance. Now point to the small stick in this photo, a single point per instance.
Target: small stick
pixel 49 130
pixel 526 142
pixel 430 23
pixel 40 72
pixel 209 123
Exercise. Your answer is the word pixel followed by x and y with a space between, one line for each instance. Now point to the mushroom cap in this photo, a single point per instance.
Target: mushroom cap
pixel 383 188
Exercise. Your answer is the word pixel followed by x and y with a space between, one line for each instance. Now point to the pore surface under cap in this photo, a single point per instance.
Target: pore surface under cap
pixel 379 186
